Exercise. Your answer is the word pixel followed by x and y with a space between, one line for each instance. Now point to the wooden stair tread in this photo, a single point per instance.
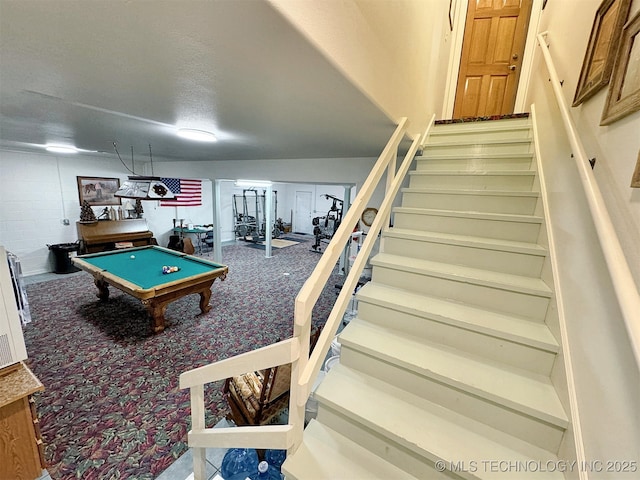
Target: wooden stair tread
pixel 521 391
pixel 496 193
pixel 460 173
pixel 467 240
pixel 468 155
pixel 505 281
pixel 499 325
pixel 502 217
pixel 462 142
pixel 427 429
pixel 326 454
pixel 481 127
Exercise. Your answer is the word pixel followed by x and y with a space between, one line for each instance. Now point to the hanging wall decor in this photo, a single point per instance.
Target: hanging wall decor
pixel 624 90
pixel 635 179
pixel 601 49
pixel 97 191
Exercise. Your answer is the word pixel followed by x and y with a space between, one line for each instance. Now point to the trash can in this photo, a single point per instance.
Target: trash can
pixel 62 253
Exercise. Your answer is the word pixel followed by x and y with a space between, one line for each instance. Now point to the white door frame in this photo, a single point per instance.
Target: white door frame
pixel 459 15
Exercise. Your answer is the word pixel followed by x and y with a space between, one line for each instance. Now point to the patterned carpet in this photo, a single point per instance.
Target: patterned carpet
pixel 112 408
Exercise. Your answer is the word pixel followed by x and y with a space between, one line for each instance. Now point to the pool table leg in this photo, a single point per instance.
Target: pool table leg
pixel 103 289
pixel 156 311
pixel 205 296
pixel 157 306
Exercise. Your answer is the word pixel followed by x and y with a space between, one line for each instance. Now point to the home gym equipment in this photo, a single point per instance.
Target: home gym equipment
pixel 250 218
pixel 325 227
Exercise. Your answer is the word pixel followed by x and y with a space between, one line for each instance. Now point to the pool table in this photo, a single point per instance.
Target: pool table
pixel 138 272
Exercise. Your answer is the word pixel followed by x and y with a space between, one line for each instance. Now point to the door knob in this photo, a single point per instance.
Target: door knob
pixel 515 56
pixel 512 67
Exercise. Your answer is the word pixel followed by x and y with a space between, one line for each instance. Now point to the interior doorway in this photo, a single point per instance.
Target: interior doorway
pixel 493 36
pixel 302 212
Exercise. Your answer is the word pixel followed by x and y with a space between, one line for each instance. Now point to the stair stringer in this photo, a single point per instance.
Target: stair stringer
pixel 571 447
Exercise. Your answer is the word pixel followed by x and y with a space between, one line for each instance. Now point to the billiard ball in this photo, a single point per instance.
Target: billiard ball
pixel 133 256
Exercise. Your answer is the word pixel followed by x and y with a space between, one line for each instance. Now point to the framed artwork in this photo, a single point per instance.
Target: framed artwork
pixel 635 179
pixel 624 90
pixel 601 49
pixel 98 191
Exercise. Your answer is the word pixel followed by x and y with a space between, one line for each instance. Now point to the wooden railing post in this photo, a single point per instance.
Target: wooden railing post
pixel 197 424
pixel 297 399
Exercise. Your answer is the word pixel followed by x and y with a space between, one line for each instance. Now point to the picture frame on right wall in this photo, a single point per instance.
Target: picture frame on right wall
pixel 635 178
pixel 623 97
pixel 601 49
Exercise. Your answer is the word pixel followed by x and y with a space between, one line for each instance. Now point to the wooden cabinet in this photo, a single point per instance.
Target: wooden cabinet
pixel 21 447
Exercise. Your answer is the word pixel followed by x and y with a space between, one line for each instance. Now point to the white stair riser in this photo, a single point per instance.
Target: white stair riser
pixel 488 149
pixel 495 299
pixel 460 225
pixel 440 136
pixel 506 124
pixel 470 256
pixel 454 397
pixel 509 183
pixel 520 205
pixel 385 448
pixel 473 163
pixel 448 332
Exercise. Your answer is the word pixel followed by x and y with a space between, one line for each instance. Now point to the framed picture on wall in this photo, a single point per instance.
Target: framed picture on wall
pixel 624 90
pixel 601 49
pixel 98 191
pixel 635 179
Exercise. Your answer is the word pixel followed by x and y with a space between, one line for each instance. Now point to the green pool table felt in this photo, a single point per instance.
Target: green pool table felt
pixel 145 270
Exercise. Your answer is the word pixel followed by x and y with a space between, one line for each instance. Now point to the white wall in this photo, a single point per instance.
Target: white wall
pixel 323 175
pixel 40 190
pixel 395 52
pixel 285 204
pixel 616 146
pixel 607 379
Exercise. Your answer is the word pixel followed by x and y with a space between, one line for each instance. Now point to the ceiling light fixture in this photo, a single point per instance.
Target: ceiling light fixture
pixel 253 183
pixel 197 135
pixel 61 149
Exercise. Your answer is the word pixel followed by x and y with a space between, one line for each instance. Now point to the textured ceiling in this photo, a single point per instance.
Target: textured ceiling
pixel 91 73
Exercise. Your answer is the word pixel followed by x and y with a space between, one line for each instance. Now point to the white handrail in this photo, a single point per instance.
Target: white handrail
pixel 382 218
pixel 623 282
pixel 296 349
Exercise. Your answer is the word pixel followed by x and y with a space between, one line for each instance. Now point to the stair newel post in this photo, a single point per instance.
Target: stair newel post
pixel 298 392
pixel 197 425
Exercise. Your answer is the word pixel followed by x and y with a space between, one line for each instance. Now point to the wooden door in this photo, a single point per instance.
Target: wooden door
pixel 492 50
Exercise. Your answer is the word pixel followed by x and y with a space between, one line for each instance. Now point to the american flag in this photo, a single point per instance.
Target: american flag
pixel 188 192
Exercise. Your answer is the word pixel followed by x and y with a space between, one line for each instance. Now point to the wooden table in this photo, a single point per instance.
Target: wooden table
pixel 200 234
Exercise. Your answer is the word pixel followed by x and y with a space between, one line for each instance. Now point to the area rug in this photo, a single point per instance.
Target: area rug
pixel 280 243
pixel 112 408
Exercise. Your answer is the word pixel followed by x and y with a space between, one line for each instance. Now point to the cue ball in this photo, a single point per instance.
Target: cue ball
pixel 133 256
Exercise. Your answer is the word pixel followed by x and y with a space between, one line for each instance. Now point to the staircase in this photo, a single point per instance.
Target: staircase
pixel 446 371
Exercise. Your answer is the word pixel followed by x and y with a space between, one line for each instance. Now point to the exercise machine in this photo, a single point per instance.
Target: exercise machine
pixel 325 227
pixel 250 218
